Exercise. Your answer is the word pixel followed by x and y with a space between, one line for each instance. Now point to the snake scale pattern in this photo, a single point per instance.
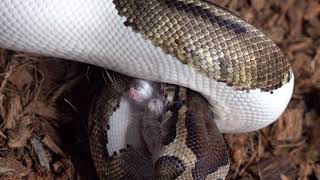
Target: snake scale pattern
pixel 195 31
pixel 192 146
pixel 216 73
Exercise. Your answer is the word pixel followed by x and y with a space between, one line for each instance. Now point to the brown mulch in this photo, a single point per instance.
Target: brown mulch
pixel 44 106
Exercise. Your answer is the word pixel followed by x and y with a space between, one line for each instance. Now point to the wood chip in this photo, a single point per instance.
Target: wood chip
pixel 289 127
pixel 274 168
pixel 258 4
pixel 47 140
pixel 42 108
pixel 13 112
pixel 20 78
pixel 21 135
pixel 10 167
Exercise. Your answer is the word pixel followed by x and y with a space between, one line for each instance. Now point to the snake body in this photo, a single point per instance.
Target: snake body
pixel 191 43
pixel 191 146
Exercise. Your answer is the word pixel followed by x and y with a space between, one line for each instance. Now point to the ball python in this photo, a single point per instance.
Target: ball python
pixel 191 43
pixel 166 133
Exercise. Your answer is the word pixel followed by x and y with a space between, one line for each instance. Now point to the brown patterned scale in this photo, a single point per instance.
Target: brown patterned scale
pixel 185 142
pixel 214 41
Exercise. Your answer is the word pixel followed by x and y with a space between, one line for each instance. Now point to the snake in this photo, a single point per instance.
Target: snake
pixel 181 139
pixel 225 71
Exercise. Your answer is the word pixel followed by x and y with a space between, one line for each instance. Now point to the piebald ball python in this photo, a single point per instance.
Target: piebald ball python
pixel 169 133
pixel 191 43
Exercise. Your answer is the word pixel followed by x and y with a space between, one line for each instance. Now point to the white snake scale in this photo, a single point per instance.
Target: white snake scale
pixel 191 43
